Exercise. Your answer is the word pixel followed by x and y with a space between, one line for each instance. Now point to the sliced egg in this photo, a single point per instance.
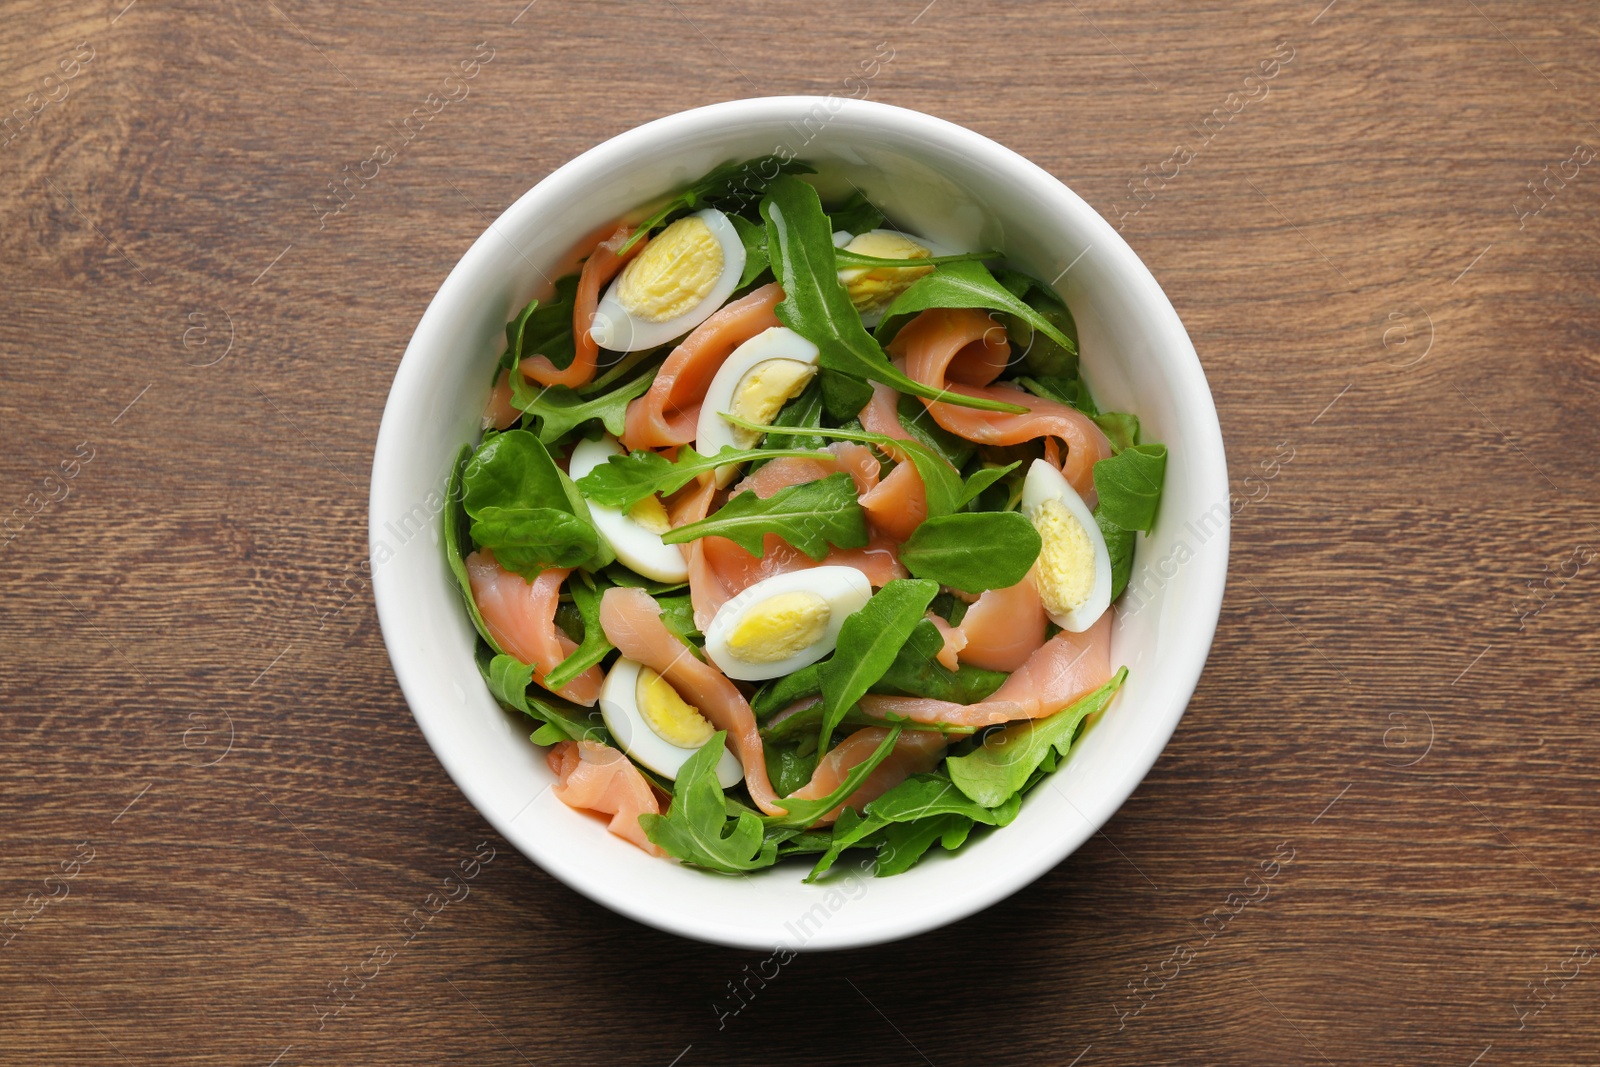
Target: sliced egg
pixel 1074 569
pixel 655 725
pixel 635 534
pixel 753 383
pixel 686 272
pixel 785 622
pixel 872 289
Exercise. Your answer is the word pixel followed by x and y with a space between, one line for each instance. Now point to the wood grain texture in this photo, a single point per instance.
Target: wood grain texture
pixel 1385 701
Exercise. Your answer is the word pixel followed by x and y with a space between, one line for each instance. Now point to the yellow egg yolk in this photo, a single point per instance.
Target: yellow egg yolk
pixel 779 627
pixel 674 720
pixel 874 288
pixel 763 390
pixel 651 514
pixel 674 272
pixel 1065 573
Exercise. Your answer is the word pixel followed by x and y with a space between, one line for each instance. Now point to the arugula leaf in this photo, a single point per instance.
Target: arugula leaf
pixel 789 768
pixel 973 551
pixel 696 827
pixel 594 647
pixel 805 813
pixel 922 798
pixel 869 641
pixel 677 614
pixel 846 258
pixel 622 481
pixel 815 305
pixel 621 574
pixel 966 285
pixel 543 330
pixel 1038 352
pixel 561 410
pixel 455 537
pixel 917 672
pixel 786 689
pixel 1001 766
pixel 905 843
pixel 754 237
pixel 1129 485
pixel 508 679
pixel 1069 391
pixel 526 510
pixel 1119 545
pixel 736 180
pixel 982 479
pixel 804 724
pixel 914 419
pixel 1120 428
pixel 855 215
pixel 810 516
pixel 803 412
pixel 843 396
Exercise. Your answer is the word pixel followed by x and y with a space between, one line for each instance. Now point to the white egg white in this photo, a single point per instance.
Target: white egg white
pixel 845 589
pixel 1044 482
pixel 716 433
pixel 619 706
pixel 617 329
pixel 635 546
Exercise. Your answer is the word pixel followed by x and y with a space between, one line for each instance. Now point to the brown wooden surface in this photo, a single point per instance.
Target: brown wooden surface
pixel 1386 700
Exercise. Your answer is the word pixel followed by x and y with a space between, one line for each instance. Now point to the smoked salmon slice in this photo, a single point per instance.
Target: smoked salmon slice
pixel 669 413
pixel 1060 671
pixel 914 752
pixel 1003 627
pixel 498 412
pixel 601 266
pixel 591 776
pixel 632 621
pixel 962 350
pixel 521 616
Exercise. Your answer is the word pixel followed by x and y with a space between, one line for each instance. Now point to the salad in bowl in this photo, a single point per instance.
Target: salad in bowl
pixel 795 532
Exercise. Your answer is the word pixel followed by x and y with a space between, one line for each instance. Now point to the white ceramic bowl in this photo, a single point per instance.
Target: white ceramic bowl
pixel 931 177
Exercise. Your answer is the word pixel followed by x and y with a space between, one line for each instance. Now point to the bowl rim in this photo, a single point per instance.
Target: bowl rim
pixel 1206 452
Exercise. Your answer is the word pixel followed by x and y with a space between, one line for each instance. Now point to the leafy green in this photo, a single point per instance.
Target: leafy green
pixel 855 215
pixel 869 641
pixel 973 551
pixel 526 510
pixel 1039 354
pixel 1069 391
pixel 803 412
pixel 508 679
pixel 1120 428
pixel 677 614
pixel 754 237
pixel 847 259
pixel 917 672
pixel 1129 485
pixel 805 813
pixel 622 574
pixel 914 419
pixel 737 180
pixel 982 479
pixel 455 534
pixel 561 410
pixel 543 330
pixel 966 285
pixel 594 647
pixel 623 481
pixel 843 396
pixel 696 827
pixel 816 306
pixel 928 800
pixel 1001 766
pixel 786 689
pixel 618 370
pixel 789 766
pixel 904 843
pixel 1119 545
pixel 810 516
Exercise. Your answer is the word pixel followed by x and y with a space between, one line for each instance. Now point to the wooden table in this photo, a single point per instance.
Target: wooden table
pixel 220 804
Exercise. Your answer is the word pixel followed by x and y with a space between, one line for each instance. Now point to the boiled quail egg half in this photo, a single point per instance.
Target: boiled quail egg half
pixel 753 384
pixel 1073 573
pixel 652 722
pixel 785 622
pixel 872 289
pixel 686 272
pixel 635 534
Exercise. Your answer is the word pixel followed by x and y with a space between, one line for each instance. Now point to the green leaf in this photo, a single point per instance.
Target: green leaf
pixel 543 330
pixel 1120 428
pixel 1119 545
pixel 526 510
pixel 805 813
pixel 966 285
pixel 810 516
pixel 623 481
pixel 803 412
pixel 677 614
pixel 843 396
pixel 855 215
pixel 789 768
pixel 869 641
pixel 982 479
pixel 456 539
pixel 917 672
pixel 815 304
pixel 594 647
pixel 1069 391
pixel 509 678
pixel 916 421
pixel 754 237
pixel 1129 485
pixel 741 182
pixel 622 574
pixel 560 410
pixel 786 689
pixel 973 551
pixel 1037 353
pixel 1001 766
pixel 696 827
pixel 927 800
pixel 847 259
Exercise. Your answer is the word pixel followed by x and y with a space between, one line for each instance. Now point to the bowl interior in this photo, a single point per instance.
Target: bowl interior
pixel 930 177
